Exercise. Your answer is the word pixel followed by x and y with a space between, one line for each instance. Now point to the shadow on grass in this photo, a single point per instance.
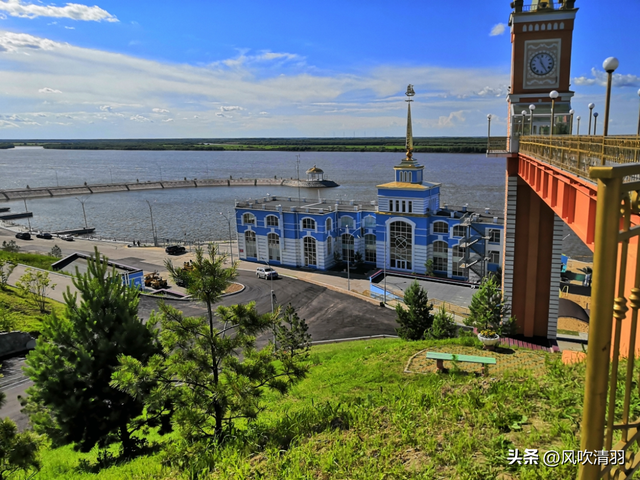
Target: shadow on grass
pixel 107 459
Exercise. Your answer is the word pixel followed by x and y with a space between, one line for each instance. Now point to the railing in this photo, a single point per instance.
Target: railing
pixel 498 144
pixel 608 422
pixel 576 154
pixel 566 5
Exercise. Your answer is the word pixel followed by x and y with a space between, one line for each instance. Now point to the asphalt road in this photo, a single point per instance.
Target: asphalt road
pixel 329 314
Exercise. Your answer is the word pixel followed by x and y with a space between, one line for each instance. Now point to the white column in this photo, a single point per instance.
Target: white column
pixel 556 266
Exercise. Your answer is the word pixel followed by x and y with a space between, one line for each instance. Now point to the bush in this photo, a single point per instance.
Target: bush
pixel 443 325
pixel 417 319
pixel 490 310
pixel 10 246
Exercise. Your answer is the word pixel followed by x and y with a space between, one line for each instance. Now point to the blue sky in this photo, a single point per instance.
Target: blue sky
pixel 122 69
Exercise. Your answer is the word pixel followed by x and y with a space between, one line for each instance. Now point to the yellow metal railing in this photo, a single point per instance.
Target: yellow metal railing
pixel 612 333
pixel 498 144
pixel 577 154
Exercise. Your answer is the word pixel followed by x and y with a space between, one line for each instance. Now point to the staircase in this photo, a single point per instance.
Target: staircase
pixel 474 250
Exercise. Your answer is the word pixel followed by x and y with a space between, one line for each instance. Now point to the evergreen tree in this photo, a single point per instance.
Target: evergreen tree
pixel 292 335
pixel 18 451
pixel 444 326
pixel 490 309
pixel 76 355
pixel 417 318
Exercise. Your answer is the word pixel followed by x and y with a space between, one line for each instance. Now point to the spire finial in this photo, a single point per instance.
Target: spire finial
pixel 409 144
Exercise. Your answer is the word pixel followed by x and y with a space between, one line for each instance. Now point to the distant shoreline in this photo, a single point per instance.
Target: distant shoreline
pixel 366 144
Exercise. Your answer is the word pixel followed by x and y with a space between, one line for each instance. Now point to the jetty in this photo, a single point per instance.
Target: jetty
pixel 88 189
pixel 15 216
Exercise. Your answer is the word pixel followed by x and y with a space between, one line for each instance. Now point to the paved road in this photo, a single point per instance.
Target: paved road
pixel 329 314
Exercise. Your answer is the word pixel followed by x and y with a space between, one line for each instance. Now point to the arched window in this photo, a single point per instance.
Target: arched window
pixel 248 219
pixel 370 221
pixel 440 227
pixel 272 221
pixel 250 244
pixel 524 28
pixel 561 25
pixel 458 259
pixel 543 28
pixel 309 251
pixel 548 26
pixel 555 26
pixel 440 255
pixel 401 245
pixel 329 246
pixel 308 224
pixel 273 242
pixel 370 248
pixel 329 225
pixel 347 247
pixel 347 222
pixel 459 231
pixel 530 27
pixel 538 27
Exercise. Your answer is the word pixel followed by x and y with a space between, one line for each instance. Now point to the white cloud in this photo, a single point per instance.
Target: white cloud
pixel 230 108
pixel 167 120
pixel 263 113
pixel 160 110
pixel 12 42
pixel 3 16
pixel 451 120
pixel 48 90
pixel 139 118
pixel 218 115
pixel 75 11
pixel 106 108
pixel 491 92
pixel 262 57
pixel 69 28
pixel 498 29
pixel 600 78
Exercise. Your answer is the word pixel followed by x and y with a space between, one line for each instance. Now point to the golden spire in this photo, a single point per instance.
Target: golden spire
pixel 409 144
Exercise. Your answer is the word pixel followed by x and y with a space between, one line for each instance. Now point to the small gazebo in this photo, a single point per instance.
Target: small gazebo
pixel 315 174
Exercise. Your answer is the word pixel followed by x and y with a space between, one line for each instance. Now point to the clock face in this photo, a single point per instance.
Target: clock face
pixel 542 63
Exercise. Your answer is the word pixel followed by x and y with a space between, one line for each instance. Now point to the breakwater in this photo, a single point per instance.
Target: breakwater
pixel 88 189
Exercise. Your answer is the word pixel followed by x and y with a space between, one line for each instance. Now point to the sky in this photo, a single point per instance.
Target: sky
pixel 249 68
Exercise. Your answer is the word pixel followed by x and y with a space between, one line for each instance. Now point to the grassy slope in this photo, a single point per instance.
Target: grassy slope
pixel 32 259
pixel 26 315
pixel 358 416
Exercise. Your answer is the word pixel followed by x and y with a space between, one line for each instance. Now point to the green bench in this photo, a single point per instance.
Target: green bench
pixel 452 357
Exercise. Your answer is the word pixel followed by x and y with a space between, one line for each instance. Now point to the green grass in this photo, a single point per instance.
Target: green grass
pixel 31 259
pixel 358 416
pixel 25 315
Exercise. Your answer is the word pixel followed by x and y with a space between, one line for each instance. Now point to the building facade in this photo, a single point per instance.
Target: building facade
pixel 406 230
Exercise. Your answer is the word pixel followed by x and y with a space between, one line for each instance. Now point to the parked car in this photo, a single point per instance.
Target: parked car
pixel 67 238
pixel 266 272
pixel 175 250
pixel 46 236
pixel 23 235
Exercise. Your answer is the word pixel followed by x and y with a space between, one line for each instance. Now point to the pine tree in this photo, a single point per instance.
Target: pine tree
pixel 490 309
pixel 77 353
pixel 417 318
pixel 443 325
pixel 292 334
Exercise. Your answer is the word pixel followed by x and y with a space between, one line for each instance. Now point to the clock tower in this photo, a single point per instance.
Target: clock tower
pixel 541 36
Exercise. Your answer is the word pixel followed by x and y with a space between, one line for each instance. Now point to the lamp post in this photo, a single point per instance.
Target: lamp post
pixel 553 94
pixel 489 131
pixel 571 112
pixel 532 107
pixel 385 264
pixel 595 122
pixel 153 228
pixel 83 212
pixel 230 239
pixel 524 114
pixel 638 116
pixel 609 65
pixel 578 128
pixel 591 106
pixel 27 211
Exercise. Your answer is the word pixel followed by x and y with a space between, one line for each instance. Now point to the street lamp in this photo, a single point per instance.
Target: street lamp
pixel 230 239
pixel 489 130
pixel 532 107
pixel 591 106
pixel 26 209
pixel 553 94
pixel 595 122
pixel 571 112
pixel 153 228
pixel 638 116
pixel 609 65
pixel 83 212
pixel 524 114
pixel 578 128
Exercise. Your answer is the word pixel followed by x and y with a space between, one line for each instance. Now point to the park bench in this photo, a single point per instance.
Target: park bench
pixel 441 357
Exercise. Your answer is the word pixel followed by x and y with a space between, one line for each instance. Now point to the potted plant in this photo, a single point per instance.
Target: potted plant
pixel 490 313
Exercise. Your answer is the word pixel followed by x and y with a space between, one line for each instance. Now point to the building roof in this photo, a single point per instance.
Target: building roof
pixel 409 186
pixel 315 169
pixel 307 205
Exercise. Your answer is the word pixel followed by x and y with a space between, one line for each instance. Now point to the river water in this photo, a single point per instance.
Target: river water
pixel 193 214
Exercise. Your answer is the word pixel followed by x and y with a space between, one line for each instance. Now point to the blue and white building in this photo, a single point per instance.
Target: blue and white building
pixel 405 228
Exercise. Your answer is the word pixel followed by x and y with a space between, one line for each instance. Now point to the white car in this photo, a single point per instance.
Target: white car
pixel 68 238
pixel 266 273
